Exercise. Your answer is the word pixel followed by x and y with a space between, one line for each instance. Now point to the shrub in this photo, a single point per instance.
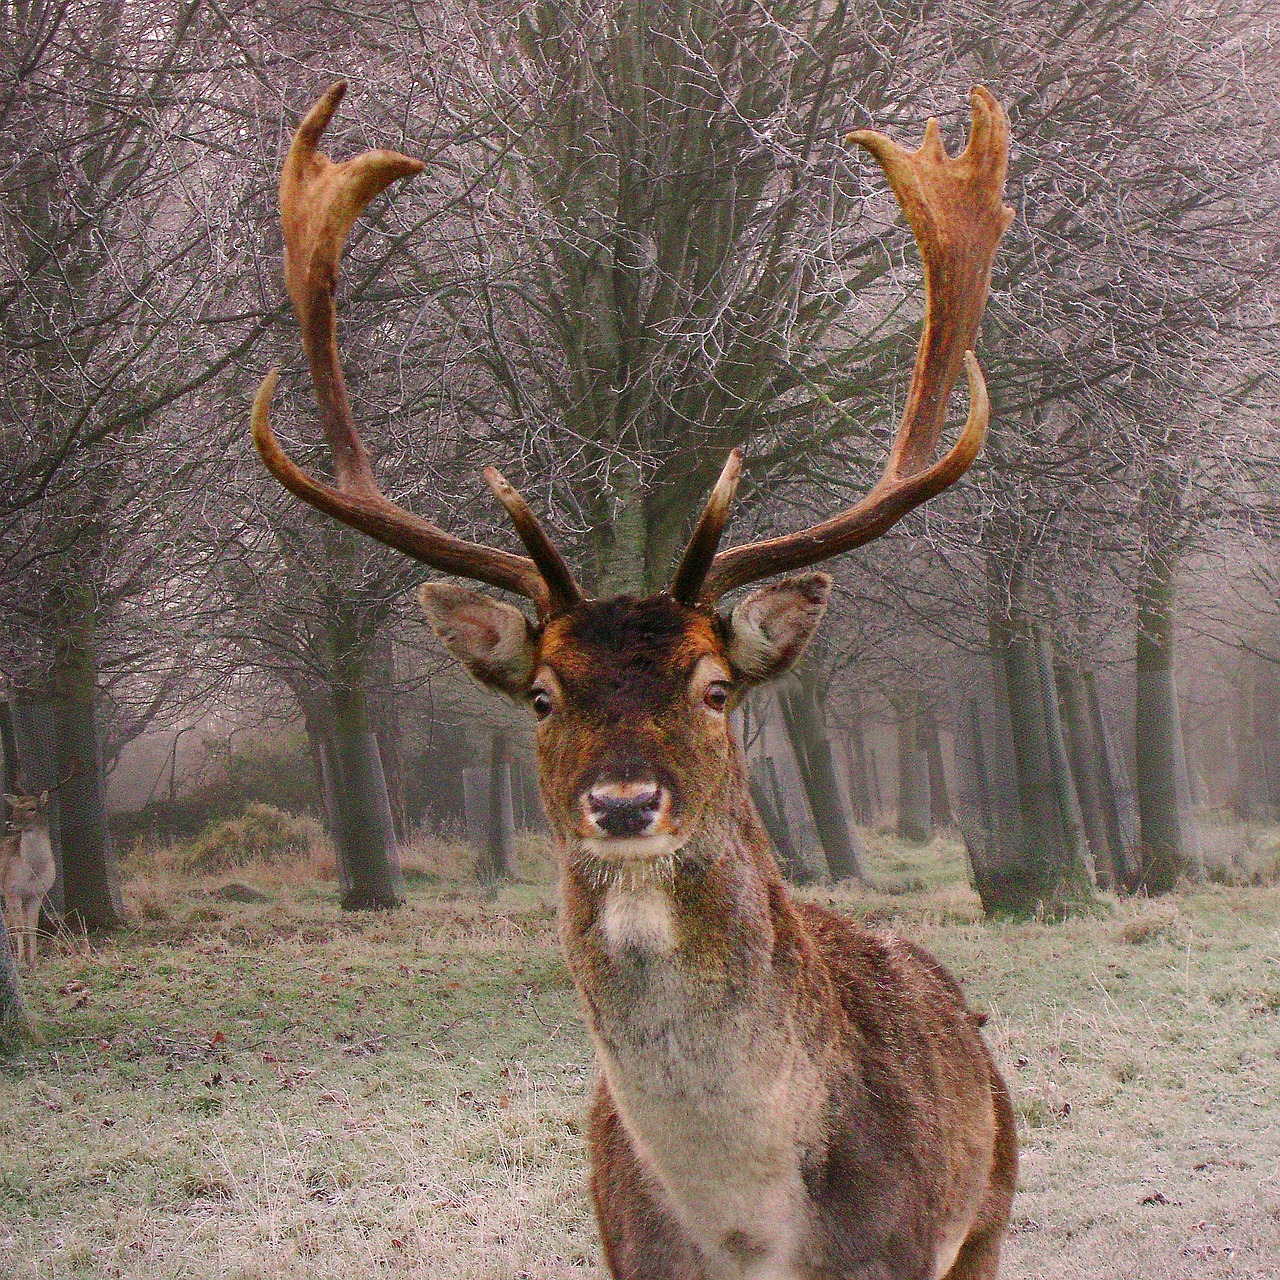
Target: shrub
pixel 260 834
pixel 269 769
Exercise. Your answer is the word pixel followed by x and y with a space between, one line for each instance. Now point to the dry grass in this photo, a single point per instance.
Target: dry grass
pixel 261 834
pixel 278 1089
pixel 1239 853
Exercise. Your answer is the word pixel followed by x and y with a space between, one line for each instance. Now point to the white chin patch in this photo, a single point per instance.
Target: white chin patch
pixel 639 919
pixel 631 848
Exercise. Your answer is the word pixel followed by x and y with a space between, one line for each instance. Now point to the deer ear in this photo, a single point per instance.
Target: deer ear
pixel 493 640
pixel 770 628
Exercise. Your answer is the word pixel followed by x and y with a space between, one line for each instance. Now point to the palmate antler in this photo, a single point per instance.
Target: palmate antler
pixel 955 210
pixel 319 203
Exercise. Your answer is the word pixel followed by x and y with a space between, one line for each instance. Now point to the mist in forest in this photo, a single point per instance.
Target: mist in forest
pixel 1039 726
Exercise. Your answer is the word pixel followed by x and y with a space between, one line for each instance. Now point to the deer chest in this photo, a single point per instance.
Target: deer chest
pixel 30 867
pixel 717 1095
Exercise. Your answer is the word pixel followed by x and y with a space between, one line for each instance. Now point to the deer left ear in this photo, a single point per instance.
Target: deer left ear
pixel 493 640
pixel 770 628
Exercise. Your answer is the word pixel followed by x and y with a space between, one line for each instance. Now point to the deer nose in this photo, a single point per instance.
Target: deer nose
pixel 624 808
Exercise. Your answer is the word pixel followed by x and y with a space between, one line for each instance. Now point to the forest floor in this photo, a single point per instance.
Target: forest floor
pixel 278 1089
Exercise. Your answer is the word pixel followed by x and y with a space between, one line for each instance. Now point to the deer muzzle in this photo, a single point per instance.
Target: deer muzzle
pixel 628 820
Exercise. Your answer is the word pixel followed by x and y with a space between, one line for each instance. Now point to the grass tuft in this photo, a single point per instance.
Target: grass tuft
pixel 261 834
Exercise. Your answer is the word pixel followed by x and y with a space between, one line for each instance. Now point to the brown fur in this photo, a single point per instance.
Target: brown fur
pixel 914 1127
pixel 783 1096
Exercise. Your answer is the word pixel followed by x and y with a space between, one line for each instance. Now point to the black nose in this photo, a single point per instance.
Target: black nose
pixel 624 810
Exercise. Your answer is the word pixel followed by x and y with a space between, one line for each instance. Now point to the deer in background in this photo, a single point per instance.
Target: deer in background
pixel 782 1095
pixel 27 866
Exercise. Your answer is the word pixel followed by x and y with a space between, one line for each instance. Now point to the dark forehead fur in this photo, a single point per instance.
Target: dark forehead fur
pixel 654 639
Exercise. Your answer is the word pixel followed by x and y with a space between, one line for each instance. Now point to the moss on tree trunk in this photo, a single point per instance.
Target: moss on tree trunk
pixel 1168 843
pixel 1050 876
pixel 365 838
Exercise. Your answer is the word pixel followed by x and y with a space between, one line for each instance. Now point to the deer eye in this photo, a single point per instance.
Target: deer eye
pixel 717 695
pixel 540 700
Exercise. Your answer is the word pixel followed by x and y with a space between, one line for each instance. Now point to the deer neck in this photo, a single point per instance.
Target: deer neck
pixel 690 977
pixel 687 940
pixel 33 843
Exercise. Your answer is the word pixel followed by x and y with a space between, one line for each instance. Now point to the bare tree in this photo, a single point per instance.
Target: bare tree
pixel 1121 330
pixel 108 281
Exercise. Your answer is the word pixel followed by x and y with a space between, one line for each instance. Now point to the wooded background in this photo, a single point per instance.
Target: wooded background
pixel 640 241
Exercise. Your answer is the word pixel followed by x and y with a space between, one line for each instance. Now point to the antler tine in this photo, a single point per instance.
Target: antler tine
pixel 699 555
pixel 71 773
pixel 319 204
pixel 551 564
pixel 955 210
pixel 21 782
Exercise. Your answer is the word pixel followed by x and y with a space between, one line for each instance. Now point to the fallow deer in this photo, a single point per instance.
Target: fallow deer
pixel 782 1095
pixel 27 867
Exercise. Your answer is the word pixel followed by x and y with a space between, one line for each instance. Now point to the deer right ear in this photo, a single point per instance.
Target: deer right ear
pixel 770 628
pixel 493 640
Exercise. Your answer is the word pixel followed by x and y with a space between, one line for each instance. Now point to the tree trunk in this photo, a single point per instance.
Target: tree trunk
pixel 317 720
pixel 939 795
pixel 1169 846
pixel 986 794
pixel 35 731
pixel 331 798
pixel 1267 729
pixel 364 838
pixel 9 748
pixel 620 545
pixel 1119 809
pixel 766 793
pixel 90 873
pixel 57 736
pixel 1037 802
pixel 526 799
pixel 828 800
pixel 1087 760
pixel 15 1023
pixel 1052 878
pixel 498 854
pixel 13 1011
pixel 385 710
pixel 874 788
pixel 1256 793
pixel 859 775
pixel 915 823
pixel 1071 816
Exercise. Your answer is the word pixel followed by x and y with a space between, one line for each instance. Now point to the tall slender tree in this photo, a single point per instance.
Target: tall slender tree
pixel 107 277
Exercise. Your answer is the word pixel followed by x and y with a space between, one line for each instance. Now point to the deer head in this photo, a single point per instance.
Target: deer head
pixel 27 810
pixel 632 696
